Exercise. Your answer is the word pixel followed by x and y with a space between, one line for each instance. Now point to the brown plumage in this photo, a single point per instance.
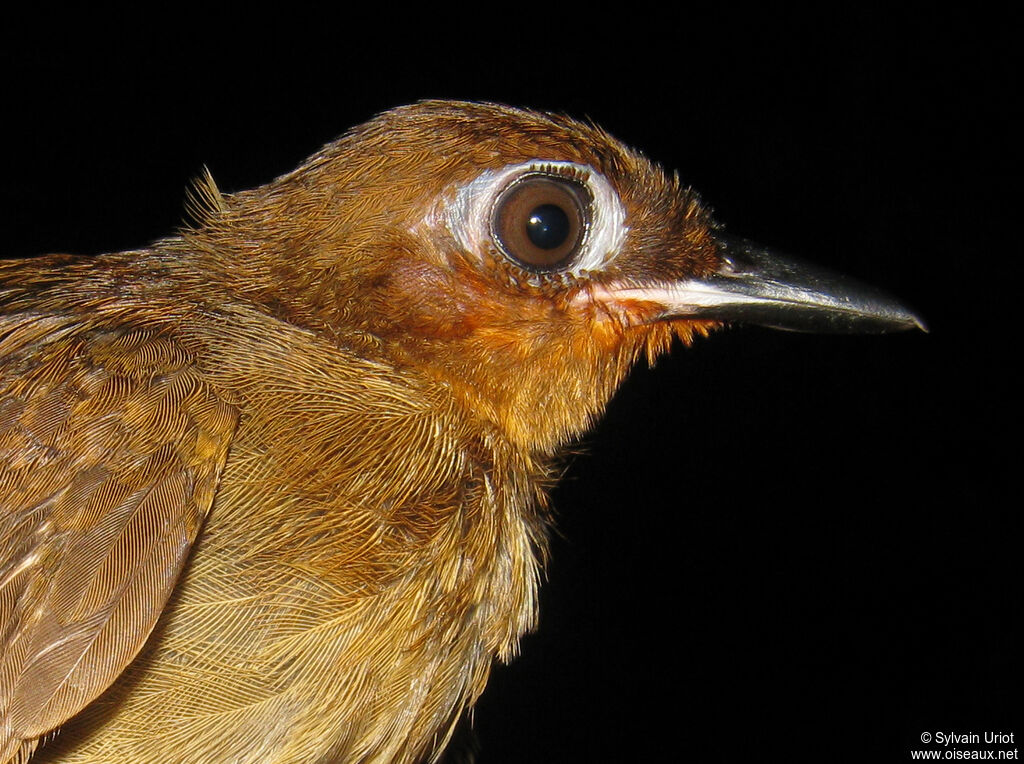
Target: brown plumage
pixel 273 490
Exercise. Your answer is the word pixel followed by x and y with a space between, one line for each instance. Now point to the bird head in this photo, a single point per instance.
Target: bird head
pixel 526 261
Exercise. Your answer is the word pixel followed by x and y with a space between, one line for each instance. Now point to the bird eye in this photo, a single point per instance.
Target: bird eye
pixel 541 221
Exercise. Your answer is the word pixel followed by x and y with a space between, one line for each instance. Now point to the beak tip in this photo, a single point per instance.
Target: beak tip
pixel 905 320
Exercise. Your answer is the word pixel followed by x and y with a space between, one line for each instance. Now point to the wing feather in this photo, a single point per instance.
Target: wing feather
pixel 111 446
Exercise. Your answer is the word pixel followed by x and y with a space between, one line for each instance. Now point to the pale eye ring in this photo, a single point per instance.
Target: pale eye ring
pixel 541 221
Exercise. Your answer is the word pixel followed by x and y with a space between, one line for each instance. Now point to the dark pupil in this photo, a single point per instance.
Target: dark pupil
pixel 548 226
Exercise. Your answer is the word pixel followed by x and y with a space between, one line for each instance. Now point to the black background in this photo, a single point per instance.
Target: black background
pixel 774 546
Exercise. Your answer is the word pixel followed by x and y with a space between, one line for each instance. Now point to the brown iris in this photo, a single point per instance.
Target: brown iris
pixel 540 221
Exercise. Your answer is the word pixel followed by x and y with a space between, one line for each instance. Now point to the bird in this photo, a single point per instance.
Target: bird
pixel 276 488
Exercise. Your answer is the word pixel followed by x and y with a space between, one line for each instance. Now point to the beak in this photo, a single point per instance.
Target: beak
pixel 757 286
